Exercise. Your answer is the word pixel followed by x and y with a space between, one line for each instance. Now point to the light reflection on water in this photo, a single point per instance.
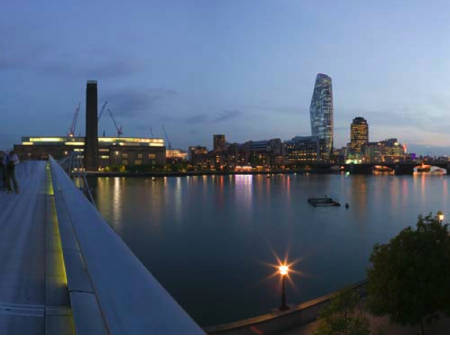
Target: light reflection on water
pixel 207 238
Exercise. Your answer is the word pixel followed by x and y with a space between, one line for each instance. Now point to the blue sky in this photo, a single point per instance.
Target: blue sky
pixel 243 68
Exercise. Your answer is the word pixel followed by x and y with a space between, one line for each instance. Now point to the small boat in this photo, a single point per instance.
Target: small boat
pixel 323 202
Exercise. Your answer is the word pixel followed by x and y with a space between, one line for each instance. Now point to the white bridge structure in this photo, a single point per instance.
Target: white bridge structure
pixel 64 270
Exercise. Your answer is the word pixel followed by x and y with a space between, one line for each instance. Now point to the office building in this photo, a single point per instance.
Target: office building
pixel 198 154
pixel 359 139
pixel 302 149
pixel 386 151
pixel 219 143
pixel 321 111
pixel 359 134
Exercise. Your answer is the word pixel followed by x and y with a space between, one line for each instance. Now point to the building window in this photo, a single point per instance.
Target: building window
pixel 139 155
pixel 124 162
pixel 151 156
pixel 138 162
pixel 124 155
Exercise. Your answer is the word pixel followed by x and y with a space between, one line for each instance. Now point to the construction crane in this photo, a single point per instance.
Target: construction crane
pixel 118 127
pixel 102 110
pixel 167 138
pixel 151 133
pixel 73 126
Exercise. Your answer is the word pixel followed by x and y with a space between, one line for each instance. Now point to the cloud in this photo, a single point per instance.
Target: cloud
pixel 196 119
pixel 108 70
pixel 132 103
pixel 288 110
pixel 227 115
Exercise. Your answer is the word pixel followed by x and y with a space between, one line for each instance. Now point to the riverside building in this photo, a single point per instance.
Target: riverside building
pixel 302 149
pixel 219 143
pixel 359 139
pixel 321 112
pixel 386 151
pixel 112 151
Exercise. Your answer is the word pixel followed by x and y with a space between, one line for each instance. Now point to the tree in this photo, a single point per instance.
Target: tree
pixel 409 278
pixel 343 316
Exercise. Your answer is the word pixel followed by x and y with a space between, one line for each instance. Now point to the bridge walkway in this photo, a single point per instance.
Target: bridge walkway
pixel 33 284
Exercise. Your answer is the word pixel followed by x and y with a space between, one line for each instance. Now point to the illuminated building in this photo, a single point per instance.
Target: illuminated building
pixel 112 151
pixel 263 152
pixel 359 134
pixel 91 146
pixel 359 139
pixel 197 154
pixel 321 111
pixel 386 151
pixel 302 149
pixel 219 143
pixel 176 154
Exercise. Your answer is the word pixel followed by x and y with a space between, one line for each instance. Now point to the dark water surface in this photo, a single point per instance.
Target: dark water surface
pixel 209 240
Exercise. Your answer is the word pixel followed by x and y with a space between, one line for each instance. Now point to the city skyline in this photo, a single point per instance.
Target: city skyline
pixel 201 68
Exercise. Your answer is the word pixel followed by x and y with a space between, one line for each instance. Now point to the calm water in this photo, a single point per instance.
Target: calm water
pixel 210 240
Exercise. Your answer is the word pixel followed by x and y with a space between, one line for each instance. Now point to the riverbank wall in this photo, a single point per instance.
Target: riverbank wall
pixel 278 321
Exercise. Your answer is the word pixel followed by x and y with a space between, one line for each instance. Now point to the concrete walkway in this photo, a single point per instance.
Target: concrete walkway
pixel 33 299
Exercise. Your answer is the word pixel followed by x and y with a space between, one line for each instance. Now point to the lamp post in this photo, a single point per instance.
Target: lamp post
pixel 283 270
pixel 440 216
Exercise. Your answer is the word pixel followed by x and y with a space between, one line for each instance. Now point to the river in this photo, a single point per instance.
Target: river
pixel 212 241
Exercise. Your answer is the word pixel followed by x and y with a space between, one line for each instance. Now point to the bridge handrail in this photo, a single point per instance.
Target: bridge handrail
pixel 130 299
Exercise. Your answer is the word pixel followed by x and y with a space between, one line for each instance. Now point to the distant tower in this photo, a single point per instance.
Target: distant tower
pixel 91 140
pixel 359 135
pixel 321 111
pixel 219 142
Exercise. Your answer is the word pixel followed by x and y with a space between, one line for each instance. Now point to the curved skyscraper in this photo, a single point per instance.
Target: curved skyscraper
pixel 321 111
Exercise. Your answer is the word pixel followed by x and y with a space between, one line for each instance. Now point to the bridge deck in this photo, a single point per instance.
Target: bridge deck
pixel 33 295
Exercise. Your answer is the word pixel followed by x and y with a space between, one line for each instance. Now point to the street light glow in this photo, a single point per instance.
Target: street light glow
pixel 283 269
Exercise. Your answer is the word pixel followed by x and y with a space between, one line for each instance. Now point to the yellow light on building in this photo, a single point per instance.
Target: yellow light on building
pixel 46 139
pixel 74 143
pixel 131 140
pixel 27 143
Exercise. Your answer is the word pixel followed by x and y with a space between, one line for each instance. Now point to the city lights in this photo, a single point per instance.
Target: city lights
pixel 440 216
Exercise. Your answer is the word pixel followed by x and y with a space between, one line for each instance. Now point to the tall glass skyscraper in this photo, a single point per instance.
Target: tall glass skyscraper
pixel 321 111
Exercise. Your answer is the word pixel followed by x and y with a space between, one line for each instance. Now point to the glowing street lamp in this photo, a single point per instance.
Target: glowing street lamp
pixel 283 270
pixel 440 216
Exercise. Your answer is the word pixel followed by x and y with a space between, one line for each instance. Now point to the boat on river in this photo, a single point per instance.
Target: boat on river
pixel 323 202
pixel 429 170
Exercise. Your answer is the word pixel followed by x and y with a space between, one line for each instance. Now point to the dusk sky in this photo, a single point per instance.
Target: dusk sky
pixel 242 68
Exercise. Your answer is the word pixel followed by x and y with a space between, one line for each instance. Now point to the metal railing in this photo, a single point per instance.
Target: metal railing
pixel 73 166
